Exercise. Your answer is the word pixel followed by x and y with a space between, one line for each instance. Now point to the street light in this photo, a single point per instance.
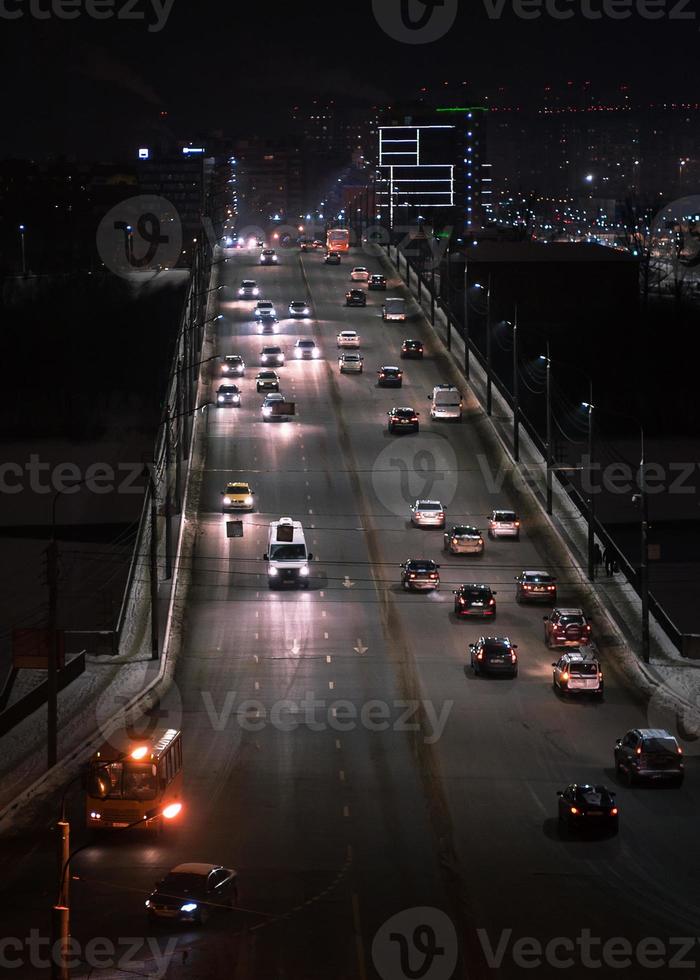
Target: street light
pixel 22 230
pixel 548 387
pixel 589 406
pixel 489 375
pixel 60 913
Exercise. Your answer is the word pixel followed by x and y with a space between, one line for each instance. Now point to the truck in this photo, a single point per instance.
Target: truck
pixel 446 403
pixel 286 556
pixel 394 308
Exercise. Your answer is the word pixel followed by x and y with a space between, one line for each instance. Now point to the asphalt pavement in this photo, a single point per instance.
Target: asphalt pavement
pixel 339 753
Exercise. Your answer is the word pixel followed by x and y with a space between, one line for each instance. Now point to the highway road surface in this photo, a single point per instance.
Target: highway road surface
pixel 339 753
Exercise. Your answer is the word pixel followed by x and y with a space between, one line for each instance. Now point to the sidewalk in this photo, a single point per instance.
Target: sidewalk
pixel 669 682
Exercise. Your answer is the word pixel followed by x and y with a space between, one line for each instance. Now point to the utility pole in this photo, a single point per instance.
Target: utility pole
pixel 644 563
pixel 52 703
pixel 153 563
pixel 445 280
pixel 489 376
pixel 432 291
pixel 516 393
pixel 549 430
pixel 466 317
pixel 591 491
pixel 167 503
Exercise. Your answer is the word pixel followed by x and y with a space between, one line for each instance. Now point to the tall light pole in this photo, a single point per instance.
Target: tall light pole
pixel 22 230
pixel 548 458
pixel 489 373
pixel 466 317
pixel 644 557
pixel 589 406
pixel 516 391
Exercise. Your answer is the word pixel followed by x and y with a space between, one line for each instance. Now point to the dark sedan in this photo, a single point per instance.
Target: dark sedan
pixel 389 377
pixel 494 655
pixel 356 297
pixel 475 600
pixel 193 893
pixel 412 348
pixel 403 420
pixel 584 806
pixel 332 258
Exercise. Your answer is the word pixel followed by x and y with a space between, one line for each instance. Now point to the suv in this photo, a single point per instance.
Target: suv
pixel 475 599
pixel 566 628
pixel 504 524
pixel 356 297
pixel 494 655
pixel 233 364
pixel 376 281
pixel 420 574
pixel 389 376
pixel 463 539
pixel 577 672
pixel 446 403
pixel 535 587
pixel 649 753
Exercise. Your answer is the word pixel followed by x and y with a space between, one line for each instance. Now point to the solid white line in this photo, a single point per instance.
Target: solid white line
pixel 331 685
pixel 341 775
pixel 257 686
pixel 328 656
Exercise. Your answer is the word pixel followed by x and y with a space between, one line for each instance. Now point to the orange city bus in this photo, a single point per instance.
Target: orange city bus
pixel 338 239
pixel 131 776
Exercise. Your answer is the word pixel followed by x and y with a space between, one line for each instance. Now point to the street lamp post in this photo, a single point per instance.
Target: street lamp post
pixel 516 391
pixel 548 388
pixel 589 406
pixel 466 317
pixel 22 230
pixel 644 557
pixel 489 372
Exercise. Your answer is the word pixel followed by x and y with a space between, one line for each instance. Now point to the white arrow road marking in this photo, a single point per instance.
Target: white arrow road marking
pixel 296 648
pixel 347 582
pixel 360 647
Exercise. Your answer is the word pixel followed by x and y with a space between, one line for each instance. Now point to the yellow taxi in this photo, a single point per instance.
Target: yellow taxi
pixel 237 496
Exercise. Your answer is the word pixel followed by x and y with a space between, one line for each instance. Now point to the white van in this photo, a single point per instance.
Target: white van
pixel 286 556
pixel 447 403
pixel 394 308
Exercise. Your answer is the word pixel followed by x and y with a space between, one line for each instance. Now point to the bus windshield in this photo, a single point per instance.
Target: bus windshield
pixel 131 781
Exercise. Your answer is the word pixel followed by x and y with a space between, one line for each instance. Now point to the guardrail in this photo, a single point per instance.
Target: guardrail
pixel 630 572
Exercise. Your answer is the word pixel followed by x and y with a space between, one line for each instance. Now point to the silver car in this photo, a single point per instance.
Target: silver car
pixel 504 524
pixel 350 363
pixel 428 513
pixel 463 539
pixel 348 338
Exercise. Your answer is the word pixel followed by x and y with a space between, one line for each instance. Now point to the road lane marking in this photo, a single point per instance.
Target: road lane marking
pixel 328 656
pixel 359 943
pixel 325 636
pixel 331 685
pixel 346 811
pixel 323 614
pixel 257 686
pixel 256 658
pixel 337 743
pixel 341 775
pixel 360 647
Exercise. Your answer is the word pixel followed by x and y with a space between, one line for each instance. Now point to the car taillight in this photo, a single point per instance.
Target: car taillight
pixel 414 418
pixel 412 575
pixel 462 600
pixel 481 541
pixel 573 810
pixel 565 675
pixel 527 586
pixel 679 750
pixel 551 587
pixel 600 675
pixel 492 602
pixel 588 629
pixel 433 574
pixel 614 812
pixel 517 523
pixel 513 656
pixel 440 515
pixel 480 655
pixel 638 750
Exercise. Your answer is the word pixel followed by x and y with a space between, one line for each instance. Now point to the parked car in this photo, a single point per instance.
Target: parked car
pixel 420 574
pixel 651 754
pixel 578 672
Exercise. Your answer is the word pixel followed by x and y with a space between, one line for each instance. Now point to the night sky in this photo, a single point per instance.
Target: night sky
pixel 93 88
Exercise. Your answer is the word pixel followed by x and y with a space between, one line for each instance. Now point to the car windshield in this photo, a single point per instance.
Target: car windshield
pixel 504 515
pixel 390 370
pixel 297 303
pixel 464 531
pixel 247 283
pixel 233 359
pixel 351 357
pixel 238 488
pixel 657 744
pixel 228 390
pixel 404 413
pixel 131 781
pixel 537 579
pixel 571 620
pixel 584 669
pixel 594 795
pixel 182 882
pixel 306 343
pixel 429 505
pixel 267 376
pixel 288 552
pixel 477 592
pixel 272 350
pixel 421 566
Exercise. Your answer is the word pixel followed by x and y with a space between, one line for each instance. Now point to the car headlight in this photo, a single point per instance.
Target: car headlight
pixel 256 292
pixel 189 907
pixel 274 258
pixel 248 501
pixel 298 352
pixel 304 571
pixel 236 399
pixel 241 293
pixel 147 903
pixel 220 399
pixel 267 410
pixel 227 500
pixel 314 352
pixel 272 571
pixel 264 357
